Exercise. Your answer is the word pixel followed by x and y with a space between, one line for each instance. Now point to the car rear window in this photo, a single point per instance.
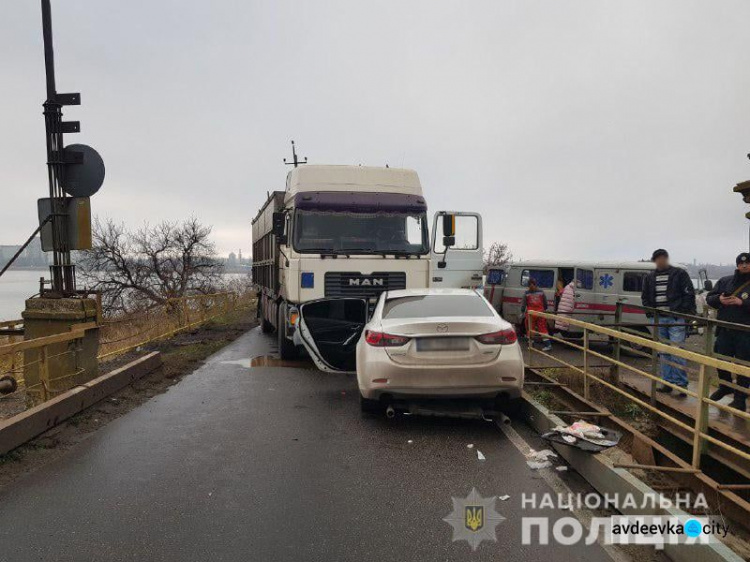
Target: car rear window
pixel 424 306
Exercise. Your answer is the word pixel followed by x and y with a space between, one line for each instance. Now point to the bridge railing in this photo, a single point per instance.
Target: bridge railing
pixel 657 350
pixel 55 359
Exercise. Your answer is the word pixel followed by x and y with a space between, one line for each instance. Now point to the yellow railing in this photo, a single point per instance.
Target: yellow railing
pixel 699 429
pixel 56 357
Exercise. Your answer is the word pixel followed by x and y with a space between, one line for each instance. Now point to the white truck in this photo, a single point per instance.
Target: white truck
pixel 326 247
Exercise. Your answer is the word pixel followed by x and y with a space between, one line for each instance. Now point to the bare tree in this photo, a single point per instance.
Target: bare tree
pixel 498 254
pixel 136 270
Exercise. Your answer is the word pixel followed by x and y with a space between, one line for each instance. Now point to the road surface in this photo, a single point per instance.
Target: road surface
pixel 271 463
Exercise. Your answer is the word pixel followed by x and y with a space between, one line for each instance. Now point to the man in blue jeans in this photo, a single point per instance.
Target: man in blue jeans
pixel 669 289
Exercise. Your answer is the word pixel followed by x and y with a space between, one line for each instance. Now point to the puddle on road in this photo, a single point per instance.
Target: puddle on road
pixel 268 361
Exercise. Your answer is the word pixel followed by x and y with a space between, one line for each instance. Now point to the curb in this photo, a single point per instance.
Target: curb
pixel 25 426
pixel 605 479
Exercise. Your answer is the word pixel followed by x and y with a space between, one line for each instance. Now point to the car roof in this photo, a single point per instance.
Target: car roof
pixel 426 292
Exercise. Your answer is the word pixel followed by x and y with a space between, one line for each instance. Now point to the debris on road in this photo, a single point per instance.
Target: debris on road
pixel 503 498
pixel 470 446
pixel 585 436
pixel 540 459
pixel 536 465
pixel 480 456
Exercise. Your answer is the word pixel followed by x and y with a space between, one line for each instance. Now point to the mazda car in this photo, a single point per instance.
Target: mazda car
pixel 436 344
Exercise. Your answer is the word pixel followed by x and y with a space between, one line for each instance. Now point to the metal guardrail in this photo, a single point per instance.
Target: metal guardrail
pixel 700 428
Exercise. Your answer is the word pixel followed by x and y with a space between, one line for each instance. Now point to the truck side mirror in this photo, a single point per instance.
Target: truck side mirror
pixel 449 230
pixel 279 224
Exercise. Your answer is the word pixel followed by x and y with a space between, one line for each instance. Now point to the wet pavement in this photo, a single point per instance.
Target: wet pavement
pixel 260 460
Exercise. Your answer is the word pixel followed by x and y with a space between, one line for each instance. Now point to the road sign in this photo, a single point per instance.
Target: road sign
pixel 83 173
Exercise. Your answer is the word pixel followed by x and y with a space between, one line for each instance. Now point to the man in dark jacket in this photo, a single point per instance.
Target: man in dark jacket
pixel 731 297
pixel 669 289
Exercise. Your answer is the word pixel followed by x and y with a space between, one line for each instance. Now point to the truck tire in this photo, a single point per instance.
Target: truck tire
pixel 287 349
pixel 265 326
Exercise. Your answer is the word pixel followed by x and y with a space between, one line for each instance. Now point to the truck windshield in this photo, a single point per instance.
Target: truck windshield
pixel 349 233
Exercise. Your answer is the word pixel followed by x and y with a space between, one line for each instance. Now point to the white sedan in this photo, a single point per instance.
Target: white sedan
pixel 437 343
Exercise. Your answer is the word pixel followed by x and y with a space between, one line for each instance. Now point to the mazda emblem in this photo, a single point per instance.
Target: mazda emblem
pixel 442 328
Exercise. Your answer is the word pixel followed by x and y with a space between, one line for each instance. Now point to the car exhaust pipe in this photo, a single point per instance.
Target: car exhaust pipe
pixel 390 413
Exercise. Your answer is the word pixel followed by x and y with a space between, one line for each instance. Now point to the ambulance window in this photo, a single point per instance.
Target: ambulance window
pixel 584 279
pixel 495 276
pixel 632 281
pixel 545 278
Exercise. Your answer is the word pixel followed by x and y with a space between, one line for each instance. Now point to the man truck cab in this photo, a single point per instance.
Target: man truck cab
pixel 599 286
pixel 337 237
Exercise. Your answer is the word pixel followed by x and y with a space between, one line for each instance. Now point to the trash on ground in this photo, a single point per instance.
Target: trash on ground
pixel 480 456
pixel 470 446
pixel 503 498
pixel 410 441
pixel 585 436
pixel 536 465
pixel 541 455
pixel 561 468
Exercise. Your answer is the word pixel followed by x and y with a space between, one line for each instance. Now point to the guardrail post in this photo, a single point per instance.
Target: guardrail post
pixel 44 373
pixel 586 363
pixel 614 369
pixel 701 418
pixel 655 360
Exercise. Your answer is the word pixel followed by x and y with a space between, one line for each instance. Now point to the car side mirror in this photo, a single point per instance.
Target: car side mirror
pixel 279 224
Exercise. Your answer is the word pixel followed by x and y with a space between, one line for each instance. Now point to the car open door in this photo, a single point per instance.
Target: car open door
pixel 462 264
pixel 330 330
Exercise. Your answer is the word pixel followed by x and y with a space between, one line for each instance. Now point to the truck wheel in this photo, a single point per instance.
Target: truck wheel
pixel 287 349
pixel 265 326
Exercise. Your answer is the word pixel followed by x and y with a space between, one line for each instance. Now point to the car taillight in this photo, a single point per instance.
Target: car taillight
pixel 503 337
pixel 381 339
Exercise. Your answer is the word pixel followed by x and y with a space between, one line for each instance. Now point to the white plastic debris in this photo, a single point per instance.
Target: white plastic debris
pixel 503 498
pixel 561 468
pixel 410 441
pixel 480 456
pixel 470 446
pixel 534 465
pixel 540 456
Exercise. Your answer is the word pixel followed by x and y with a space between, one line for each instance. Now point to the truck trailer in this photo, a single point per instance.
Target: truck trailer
pixel 326 247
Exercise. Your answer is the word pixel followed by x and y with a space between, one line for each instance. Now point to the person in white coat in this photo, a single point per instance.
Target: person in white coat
pixel 566 306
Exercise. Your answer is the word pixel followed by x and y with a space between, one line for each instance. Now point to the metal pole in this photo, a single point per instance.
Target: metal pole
pixel 614 369
pixel 61 270
pixel 655 359
pixel 701 418
pixel 586 391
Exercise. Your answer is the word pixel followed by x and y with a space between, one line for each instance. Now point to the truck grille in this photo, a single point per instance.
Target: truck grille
pixel 353 284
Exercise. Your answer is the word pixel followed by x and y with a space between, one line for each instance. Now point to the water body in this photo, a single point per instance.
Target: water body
pixel 15 287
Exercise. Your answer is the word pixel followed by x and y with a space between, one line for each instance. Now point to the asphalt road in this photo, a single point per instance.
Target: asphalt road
pixel 271 463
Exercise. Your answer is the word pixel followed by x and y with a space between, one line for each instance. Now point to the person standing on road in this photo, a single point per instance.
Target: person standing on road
pixel 731 297
pixel 669 289
pixel 535 299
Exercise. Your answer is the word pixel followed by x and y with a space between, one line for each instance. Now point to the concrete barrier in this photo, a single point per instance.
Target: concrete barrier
pixel 608 480
pixel 25 426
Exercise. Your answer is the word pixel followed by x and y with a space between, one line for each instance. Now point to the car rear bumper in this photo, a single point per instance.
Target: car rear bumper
pixel 504 375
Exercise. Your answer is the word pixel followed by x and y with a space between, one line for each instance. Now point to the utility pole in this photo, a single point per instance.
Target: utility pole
pixel 62 271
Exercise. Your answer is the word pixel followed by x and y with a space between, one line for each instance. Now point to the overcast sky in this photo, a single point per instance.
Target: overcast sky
pixel 580 129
